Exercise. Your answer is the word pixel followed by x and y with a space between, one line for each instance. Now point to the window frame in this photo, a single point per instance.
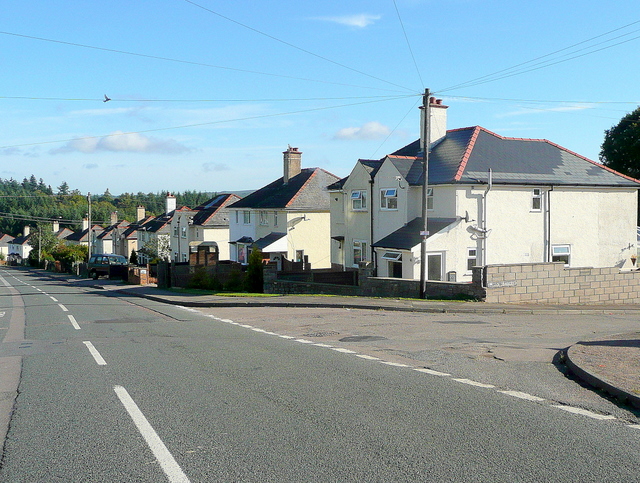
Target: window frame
pixel 361 197
pixel 472 258
pixel 246 217
pixel 360 246
pixel 560 254
pixel 385 197
pixel 263 218
pixel 430 199
pixel 536 198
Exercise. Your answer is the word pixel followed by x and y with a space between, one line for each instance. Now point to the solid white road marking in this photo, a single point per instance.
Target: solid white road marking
pixel 94 352
pixel 63 308
pixel 584 412
pixel 522 395
pixel 473 383
pixel 634 426
pixel 431 371
pixel 5 282
pixel 320 344
pixel 72 319
pixel 304 341
pixel 167 462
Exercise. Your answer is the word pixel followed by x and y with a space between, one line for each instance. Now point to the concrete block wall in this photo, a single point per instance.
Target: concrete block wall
pixel 553 283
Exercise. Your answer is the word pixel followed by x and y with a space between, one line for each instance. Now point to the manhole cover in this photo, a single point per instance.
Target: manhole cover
pixel 362 338
pixel 325 333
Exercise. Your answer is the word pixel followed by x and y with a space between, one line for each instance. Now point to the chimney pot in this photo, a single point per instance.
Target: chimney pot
pixel 292 164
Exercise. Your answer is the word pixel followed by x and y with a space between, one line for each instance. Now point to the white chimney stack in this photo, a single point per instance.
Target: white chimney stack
pixel 140 213
pixel 26 231
pixel 437 121
pixel 171 203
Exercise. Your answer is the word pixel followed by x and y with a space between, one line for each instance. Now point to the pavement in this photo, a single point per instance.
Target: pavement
pixel 611 364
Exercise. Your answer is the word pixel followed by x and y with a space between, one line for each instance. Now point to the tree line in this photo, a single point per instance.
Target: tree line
pixel 33 202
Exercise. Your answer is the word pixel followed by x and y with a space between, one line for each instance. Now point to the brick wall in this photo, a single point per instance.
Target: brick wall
pixel 552 283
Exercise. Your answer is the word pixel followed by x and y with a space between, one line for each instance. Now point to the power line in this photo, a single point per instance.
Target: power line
pixel 113 99
pixel 249 118
pixel 199 64
pixel 288 44
pixel 490 77
pixel 408 43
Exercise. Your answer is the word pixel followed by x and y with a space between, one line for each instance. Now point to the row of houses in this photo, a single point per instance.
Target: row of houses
pixel 489 199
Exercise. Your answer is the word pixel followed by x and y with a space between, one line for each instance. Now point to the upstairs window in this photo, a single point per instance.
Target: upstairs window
pixel 183 229
pixel 246 217
pixel 536 200
pixel 389 199
pixel 264 218
pixel 429 198
pixel 358 200
pixel 175 231
pixel 275 218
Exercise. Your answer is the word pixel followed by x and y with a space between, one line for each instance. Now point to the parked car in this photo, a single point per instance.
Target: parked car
pixel 113 266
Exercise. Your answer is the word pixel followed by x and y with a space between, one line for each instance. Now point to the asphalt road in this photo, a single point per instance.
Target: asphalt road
pixel 119 389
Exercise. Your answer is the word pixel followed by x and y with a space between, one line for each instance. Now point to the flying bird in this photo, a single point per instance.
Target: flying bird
pixel 106 99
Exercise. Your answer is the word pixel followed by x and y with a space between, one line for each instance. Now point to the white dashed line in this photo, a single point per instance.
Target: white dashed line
pixel 304 341
pixel 522 395
pixel 169 465
pixel 73 322
pixel 473 383
pixel 344 351
pixel 396 364
pixel 94 352
pixel 432 372
pixel 369 358
pixel 585 412
pixel 634 426
pixel 327 346
pixel 286 337
pixel 53 298
pixel 64 309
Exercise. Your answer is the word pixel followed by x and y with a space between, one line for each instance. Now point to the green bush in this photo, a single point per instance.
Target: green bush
pixel 235 282
pixel 254 278
pixel 202 280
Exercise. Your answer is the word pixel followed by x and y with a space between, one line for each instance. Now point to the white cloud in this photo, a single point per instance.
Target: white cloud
pixel 361 20
pixel 123 142
pixel 213 167
pixel 369 130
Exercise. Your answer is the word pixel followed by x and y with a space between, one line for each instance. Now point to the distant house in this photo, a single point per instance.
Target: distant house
pixel 19 247
pixel 153 235
pixel 4 244
pixel 208 222
pixel 490 200
pixel 111 238
pixel 85 235
pixel 287 219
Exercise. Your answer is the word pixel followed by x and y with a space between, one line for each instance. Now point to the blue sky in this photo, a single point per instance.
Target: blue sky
pixel 217 90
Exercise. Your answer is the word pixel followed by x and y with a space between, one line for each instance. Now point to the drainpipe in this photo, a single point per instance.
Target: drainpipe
pixel 373 253
pixel 547 241
pixel 484 217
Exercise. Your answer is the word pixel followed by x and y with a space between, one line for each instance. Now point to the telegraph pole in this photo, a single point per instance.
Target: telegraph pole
pixel 89 220
pixel 424 146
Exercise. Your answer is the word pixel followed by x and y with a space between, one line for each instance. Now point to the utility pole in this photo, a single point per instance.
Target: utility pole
pixel 89 227
pixel 424 146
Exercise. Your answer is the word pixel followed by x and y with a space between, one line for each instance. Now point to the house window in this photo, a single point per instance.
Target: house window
pixel 242 254
pixel 472 258
pixel 429 198
pixel 395 256
pixel 358 200
pixel 434 266
pixel 536 200
pixel 175 231
pixel 246 217
pixel 299 255
pixel 183 233
pixel 275 218
pixel 561 253
pixel 389 199
pixel 359 252
pixel 184 257
pixel 237 216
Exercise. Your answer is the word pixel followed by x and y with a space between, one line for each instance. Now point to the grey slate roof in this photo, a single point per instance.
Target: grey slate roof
pixel 213 212
pixel 305 191
pixel 370 165
pixel 465 156
pixel 408 236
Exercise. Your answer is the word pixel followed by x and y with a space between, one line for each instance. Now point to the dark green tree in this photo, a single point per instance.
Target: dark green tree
pixel 63 189
pixel 254 279
pixel 621 147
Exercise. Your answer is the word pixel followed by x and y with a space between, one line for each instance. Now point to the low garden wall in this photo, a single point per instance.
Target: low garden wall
pixel 553 283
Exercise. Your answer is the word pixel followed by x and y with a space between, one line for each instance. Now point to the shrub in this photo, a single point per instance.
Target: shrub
pixel 235 282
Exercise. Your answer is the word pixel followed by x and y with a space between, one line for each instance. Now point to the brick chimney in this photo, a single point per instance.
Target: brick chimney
pixel 114 217
pixel 85 224
pixel 171 203
pixel 438 121
pixel 140 213
pixel 292 164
